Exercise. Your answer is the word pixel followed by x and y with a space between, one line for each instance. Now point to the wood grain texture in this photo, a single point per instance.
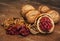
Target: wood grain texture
pixel 12 8
pixel 50 2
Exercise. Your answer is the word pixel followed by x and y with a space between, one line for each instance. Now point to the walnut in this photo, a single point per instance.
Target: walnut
pixel 43 8
pixel 32 15
pixel 45 24
pixel 54 15
pixel 27 8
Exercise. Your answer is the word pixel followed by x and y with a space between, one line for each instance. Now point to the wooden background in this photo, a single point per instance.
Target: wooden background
pixel 12 8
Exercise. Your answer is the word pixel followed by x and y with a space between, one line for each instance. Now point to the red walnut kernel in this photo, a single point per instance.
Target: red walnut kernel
pixel 18 30
pixel 45 24
pixel 24 31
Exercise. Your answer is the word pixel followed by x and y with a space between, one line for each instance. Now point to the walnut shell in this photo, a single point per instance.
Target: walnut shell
pixel 27 8
pixel 54 15
pixel 43 8
pixel 32 15
pixel 33 29
pixel 38 26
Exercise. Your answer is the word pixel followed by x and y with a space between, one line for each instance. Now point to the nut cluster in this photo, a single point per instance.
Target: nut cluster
pixel 36 21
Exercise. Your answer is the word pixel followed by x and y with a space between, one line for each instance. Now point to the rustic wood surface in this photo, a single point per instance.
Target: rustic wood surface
pixel 50 2
pixel 12 8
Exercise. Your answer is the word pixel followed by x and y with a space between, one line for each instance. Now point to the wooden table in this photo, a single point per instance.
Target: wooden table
pixel 12 8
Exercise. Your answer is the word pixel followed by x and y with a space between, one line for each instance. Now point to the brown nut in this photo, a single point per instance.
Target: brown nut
pixel 43 8
pixel 27 8
pixel 54 15
pixel 8 21
pixel 32 15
